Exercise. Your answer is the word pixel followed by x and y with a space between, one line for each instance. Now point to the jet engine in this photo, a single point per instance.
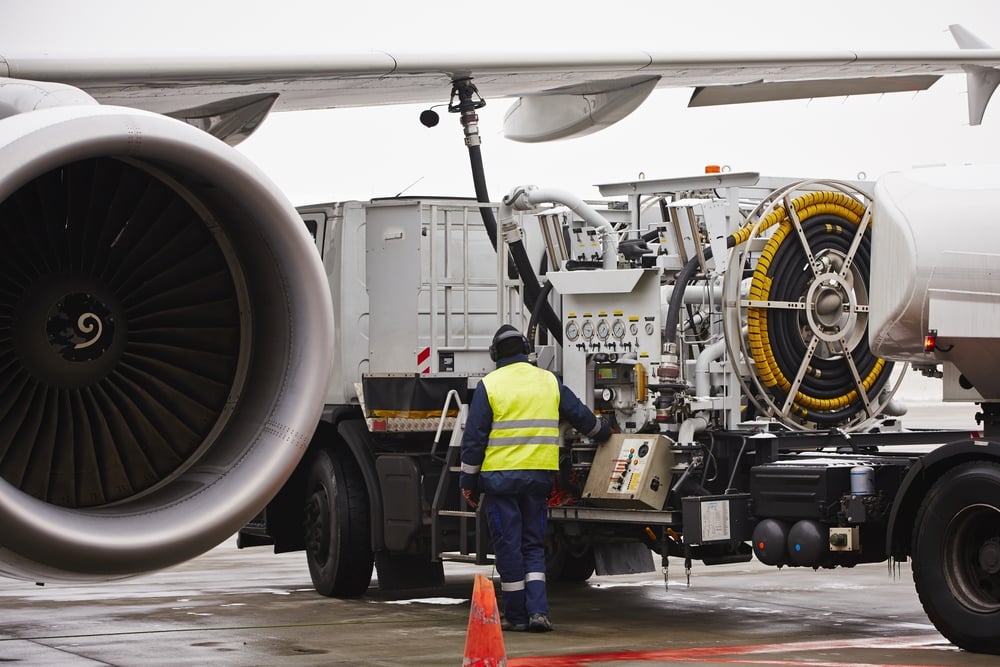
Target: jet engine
pixel 164 338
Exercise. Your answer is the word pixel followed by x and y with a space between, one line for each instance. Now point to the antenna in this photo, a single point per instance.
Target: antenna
pixel 400 193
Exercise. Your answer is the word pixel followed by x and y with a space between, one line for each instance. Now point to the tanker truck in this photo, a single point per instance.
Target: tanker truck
pixel 744 335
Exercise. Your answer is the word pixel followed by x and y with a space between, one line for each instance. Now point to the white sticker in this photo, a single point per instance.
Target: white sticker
pixel 715 521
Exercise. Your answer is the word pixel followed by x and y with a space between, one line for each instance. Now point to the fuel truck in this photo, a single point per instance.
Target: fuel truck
pixel 744 335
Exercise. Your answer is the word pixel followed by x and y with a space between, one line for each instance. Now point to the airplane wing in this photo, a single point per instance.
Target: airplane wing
pixel 561 94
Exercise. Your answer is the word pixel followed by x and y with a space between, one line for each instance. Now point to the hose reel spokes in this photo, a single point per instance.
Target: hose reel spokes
pixel 803 315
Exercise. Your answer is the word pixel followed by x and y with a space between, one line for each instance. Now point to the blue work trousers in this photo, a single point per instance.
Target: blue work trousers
pixel 517 527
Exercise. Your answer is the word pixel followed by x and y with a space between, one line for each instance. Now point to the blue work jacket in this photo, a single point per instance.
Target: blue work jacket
pixel 479 425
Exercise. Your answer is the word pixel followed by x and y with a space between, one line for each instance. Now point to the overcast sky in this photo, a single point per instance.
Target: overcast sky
pixel 357 154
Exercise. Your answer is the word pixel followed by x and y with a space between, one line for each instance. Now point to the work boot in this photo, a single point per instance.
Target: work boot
pixel 539 623
pixel 514 627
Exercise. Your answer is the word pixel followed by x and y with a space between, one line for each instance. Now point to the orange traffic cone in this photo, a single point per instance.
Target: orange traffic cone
pixel 484 639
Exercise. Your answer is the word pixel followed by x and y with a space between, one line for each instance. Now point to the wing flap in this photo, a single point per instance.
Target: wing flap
pixel 770 91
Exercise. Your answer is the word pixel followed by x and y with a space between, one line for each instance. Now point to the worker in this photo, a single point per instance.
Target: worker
pixel 510 453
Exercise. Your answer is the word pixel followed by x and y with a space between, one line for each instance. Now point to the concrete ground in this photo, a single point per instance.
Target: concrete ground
pixel 244 608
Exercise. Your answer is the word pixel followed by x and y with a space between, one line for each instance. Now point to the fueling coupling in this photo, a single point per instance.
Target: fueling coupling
pixel 465 100
pixel 669 405
pixel 670 366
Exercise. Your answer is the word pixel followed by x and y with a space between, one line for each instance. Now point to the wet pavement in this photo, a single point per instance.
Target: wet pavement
pixel 233 607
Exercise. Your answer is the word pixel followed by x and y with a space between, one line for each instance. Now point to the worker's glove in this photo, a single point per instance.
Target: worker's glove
pixel 471 497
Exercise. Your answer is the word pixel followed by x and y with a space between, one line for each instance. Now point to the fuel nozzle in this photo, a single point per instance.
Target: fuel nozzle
pixel 465 100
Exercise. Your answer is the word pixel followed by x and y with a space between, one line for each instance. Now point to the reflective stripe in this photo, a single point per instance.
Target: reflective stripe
pixel 470 469
pixel 512 585
pixel 526 423
pixel 597 428
pixel 534 576
pixel 524 440
pixel 521 457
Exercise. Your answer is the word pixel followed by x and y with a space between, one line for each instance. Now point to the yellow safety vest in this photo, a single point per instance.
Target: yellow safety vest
pixel 525 434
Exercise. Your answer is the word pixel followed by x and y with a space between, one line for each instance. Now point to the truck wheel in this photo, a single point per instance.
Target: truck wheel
pixel 956 556
pixel 337 526
pixel 566 564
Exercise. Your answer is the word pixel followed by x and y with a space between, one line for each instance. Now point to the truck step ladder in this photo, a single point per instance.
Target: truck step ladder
pixel 473 535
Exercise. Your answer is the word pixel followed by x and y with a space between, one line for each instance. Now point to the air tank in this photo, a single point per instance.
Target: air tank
pixel 807 543
pixel 770 538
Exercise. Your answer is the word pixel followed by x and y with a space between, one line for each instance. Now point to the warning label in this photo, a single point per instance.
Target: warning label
pixel 715 520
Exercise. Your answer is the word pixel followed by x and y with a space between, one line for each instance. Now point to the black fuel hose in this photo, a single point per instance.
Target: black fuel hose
pixel 826 378
pixel 531 287
pixel 683 277
pixel 543 294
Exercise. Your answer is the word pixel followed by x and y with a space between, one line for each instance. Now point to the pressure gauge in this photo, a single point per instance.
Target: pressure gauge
pixel 588 329
pixel 650 328
pixel 633 329
pixel 572 330
pixel 618 329
pixel 603 329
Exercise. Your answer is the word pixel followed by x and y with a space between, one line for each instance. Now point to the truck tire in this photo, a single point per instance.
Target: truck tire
pixel 956 556
pixel 337 525
pixel 565 564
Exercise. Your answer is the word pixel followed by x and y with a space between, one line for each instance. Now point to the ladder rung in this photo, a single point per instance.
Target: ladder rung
pixel 456 513
pixel 463 558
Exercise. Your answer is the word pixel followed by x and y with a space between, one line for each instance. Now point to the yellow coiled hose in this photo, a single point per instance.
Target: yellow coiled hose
pixel 770 373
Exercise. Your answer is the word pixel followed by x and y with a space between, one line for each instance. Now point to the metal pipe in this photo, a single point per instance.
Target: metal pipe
pixel 700 294
pixel 690 426
pixel 702 367
pixel 529 197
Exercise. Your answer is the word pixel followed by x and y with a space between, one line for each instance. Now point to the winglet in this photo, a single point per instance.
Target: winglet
pixel 982 81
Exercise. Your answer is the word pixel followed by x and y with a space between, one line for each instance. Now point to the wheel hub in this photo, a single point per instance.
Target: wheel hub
pixel 989 557
pixel 316 526
pixel 972 557
pixel 832 310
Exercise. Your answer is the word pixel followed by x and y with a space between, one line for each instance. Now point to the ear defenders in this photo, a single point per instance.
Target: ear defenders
pixel 508 335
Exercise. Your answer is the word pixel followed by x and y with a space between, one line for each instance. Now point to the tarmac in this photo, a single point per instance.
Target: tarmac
pixel 232 607
pixel 251 607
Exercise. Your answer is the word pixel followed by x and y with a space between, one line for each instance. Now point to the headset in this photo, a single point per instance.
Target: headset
pixel 508 334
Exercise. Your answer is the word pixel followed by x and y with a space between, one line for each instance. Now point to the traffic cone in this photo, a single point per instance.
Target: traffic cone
pixel 484 639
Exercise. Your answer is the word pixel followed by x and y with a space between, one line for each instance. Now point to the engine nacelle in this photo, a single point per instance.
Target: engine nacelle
pixel 164 337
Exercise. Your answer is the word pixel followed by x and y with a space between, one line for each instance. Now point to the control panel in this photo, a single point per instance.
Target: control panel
pixel 631 471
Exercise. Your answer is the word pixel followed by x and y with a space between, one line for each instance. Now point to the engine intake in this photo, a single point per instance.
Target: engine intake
pixel 164 337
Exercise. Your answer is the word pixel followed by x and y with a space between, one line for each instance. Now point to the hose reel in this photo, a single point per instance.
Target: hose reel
pixel 803 315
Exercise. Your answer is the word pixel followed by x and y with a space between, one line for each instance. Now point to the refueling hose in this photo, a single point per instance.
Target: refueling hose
pixel 827 393
pixel 543 294
pixel 464 90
